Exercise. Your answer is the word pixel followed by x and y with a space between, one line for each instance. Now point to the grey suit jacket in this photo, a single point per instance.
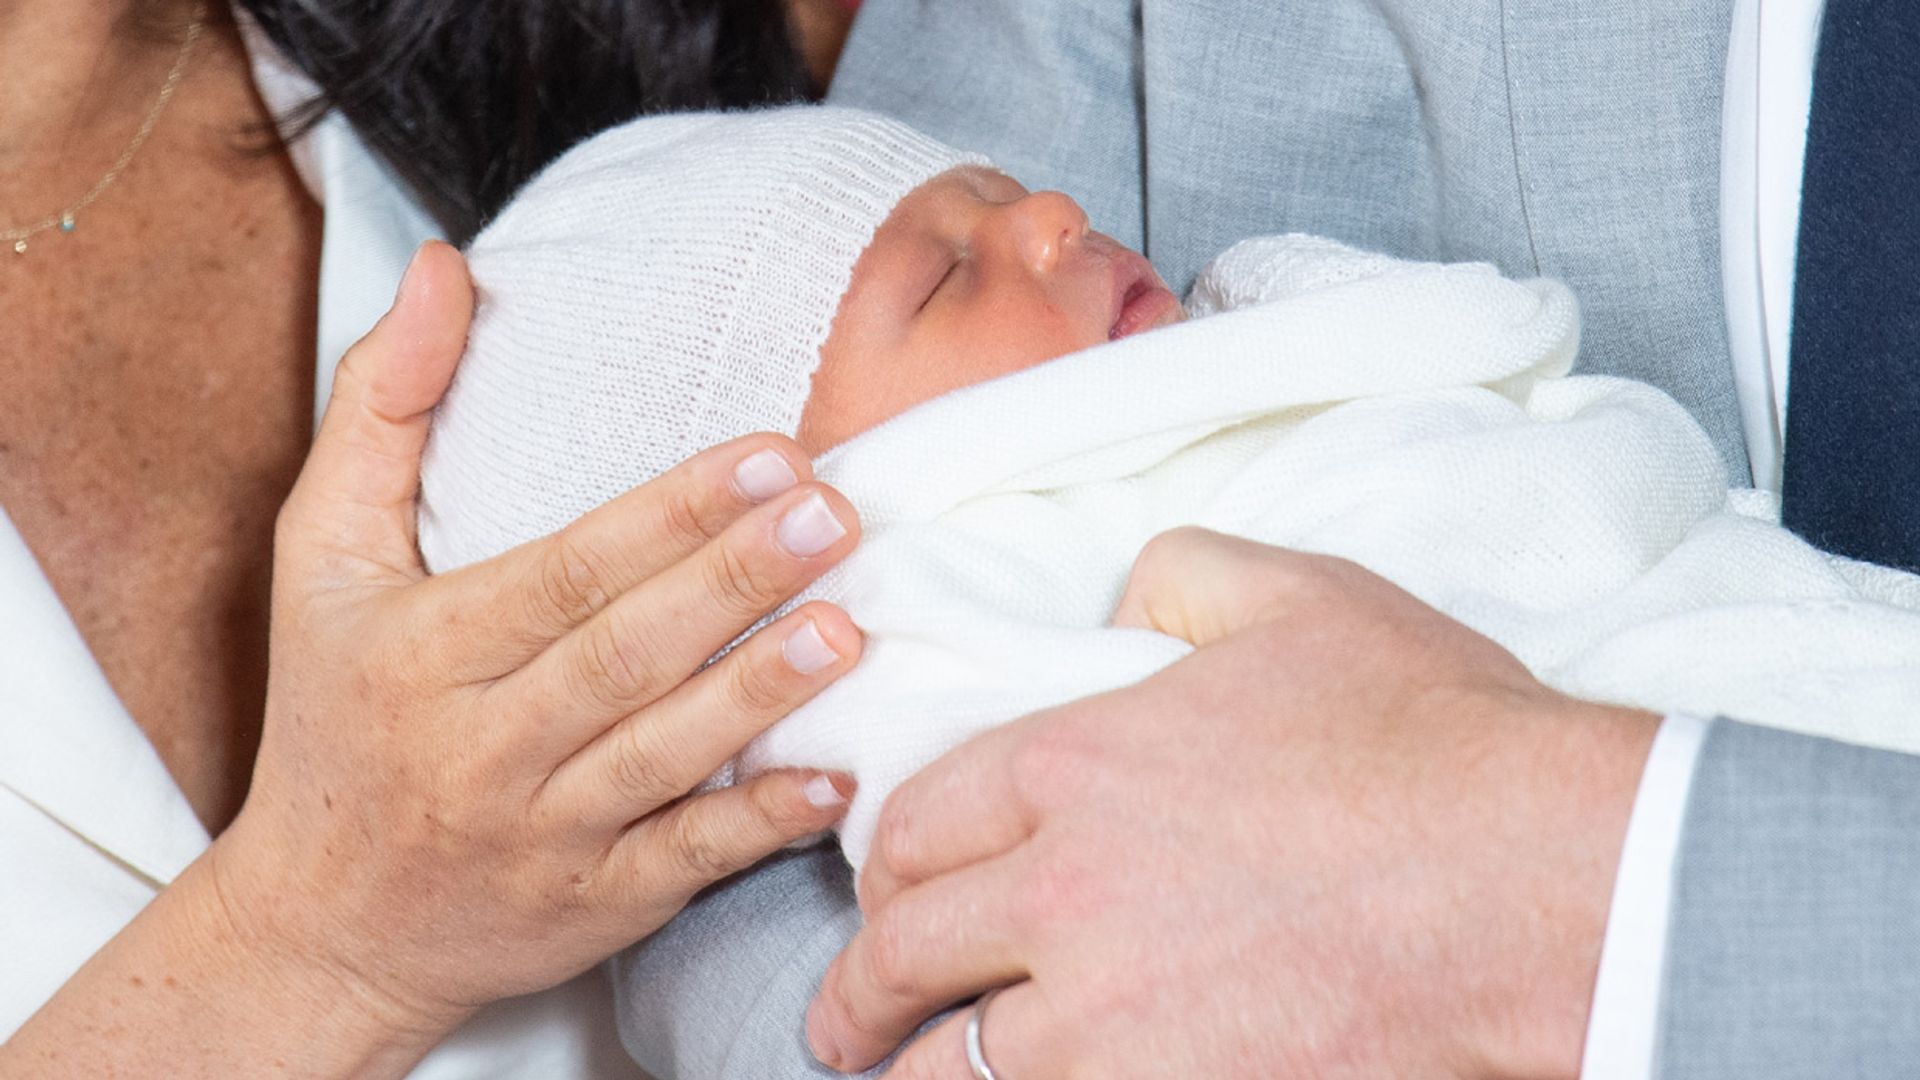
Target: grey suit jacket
pixel 1559 137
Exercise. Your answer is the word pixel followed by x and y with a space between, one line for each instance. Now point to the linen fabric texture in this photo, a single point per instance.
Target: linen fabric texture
pixel 664 287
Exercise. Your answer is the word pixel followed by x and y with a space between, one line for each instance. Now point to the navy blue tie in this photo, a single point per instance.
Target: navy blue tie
pixel 1852 471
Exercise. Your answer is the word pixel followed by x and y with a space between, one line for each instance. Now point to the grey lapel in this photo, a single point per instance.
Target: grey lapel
pixel 1561 137
pixel 1259 118
pixel 1616 126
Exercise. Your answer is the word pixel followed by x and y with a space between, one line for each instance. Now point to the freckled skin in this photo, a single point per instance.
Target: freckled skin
pixel 156 380
pixel 970 278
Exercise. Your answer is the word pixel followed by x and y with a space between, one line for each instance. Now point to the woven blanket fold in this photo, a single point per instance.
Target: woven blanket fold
pixel 1416 418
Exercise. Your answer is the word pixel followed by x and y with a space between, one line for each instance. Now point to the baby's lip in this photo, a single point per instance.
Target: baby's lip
pixel 1141 301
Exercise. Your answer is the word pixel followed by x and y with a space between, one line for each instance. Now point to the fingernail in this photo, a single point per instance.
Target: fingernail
pixel 807 651
pixel 413 268
pixel 763 475
pixel 822 792
pixel 810 528
pixel 819 1039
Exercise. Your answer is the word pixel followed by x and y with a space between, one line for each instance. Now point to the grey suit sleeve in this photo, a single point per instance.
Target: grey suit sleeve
pixel 1050 90
pixel 1794 952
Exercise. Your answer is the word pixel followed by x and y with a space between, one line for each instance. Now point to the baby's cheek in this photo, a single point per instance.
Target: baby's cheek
pixel 859 387
pixel 1042 329
pixel 847 398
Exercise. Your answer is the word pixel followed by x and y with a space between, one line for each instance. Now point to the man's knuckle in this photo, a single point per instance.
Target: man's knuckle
pixel 1175 543
pixel 1054 759
pixel 889 961
pixel 1150 567
pixel 893 841
pixel 843 993
pixel 916 1065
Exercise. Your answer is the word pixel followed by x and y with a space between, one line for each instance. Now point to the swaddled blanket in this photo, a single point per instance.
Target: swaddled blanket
pixel 1418 419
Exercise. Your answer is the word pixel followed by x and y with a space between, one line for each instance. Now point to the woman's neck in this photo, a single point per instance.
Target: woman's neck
pixel 71 67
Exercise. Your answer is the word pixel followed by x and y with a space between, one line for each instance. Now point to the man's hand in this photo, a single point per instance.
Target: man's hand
pixel 1347 837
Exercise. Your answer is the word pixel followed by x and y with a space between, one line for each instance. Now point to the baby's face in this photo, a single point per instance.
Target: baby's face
pixel 972 277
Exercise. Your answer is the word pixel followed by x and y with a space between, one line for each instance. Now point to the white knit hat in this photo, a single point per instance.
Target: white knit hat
pixel 661 288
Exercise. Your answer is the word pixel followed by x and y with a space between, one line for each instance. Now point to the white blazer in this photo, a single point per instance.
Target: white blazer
pixel 92 826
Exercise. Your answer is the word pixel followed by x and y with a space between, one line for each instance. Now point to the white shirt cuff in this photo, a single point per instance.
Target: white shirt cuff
pixel 1625 1022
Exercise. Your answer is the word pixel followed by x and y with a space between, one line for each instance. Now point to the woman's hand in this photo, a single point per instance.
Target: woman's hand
pixel 1347 836
pixel 474 785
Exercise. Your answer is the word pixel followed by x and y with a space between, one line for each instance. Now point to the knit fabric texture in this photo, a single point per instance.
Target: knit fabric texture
pixel 663 287
pixel 1418 419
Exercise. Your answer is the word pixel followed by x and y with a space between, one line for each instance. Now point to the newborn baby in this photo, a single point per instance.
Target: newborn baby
pixel 970 278
pixel 678 281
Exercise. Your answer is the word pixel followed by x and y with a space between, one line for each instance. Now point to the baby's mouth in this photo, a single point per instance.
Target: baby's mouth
pixel 1143 301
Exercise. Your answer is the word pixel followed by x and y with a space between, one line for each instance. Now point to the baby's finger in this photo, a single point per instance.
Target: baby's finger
pixel 664 751
pixel 703 839
pixel 647 642
pixel 537 593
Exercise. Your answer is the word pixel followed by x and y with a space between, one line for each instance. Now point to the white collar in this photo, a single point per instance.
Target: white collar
pixel 67 744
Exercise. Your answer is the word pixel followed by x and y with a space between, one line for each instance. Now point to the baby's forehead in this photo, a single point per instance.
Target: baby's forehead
pixel 978 182
pixel 943 200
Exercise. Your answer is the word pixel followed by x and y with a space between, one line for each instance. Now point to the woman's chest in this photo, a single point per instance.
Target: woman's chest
pixel 155 403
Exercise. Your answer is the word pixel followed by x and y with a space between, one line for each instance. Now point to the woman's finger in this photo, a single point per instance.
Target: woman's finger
pixel 661 753
pixel 933 945
pixel 538 592
pixel 648 641
pixel 350 517
pixel 1019 1037
pixel 705 838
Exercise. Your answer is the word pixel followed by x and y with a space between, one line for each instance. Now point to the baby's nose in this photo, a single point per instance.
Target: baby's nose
pixel 1045 225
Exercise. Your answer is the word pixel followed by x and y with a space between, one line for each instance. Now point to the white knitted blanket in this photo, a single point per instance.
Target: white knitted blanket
pixel 1416 418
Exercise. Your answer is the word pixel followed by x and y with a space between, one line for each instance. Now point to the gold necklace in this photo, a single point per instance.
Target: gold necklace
pixel 66 219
